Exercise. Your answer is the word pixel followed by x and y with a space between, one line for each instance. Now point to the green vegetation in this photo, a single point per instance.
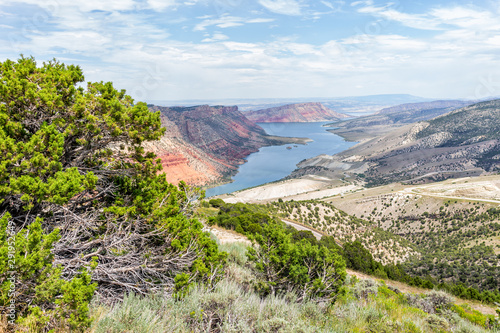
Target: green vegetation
pixel 251 219
pixel 312 272
pixel 285 259
pixel 82 208
pixel 87 220
pixel 384 245
pixel 233 306
pixel 449 252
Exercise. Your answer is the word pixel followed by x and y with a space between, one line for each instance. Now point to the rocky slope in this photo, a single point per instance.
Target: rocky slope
pixel 425 106
pixel 300 112
pixel 205 144
pixel 461 143
pixel 387 119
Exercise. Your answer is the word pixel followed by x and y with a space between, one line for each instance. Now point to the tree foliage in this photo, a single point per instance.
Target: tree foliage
pixel 74 169
pixel 310 271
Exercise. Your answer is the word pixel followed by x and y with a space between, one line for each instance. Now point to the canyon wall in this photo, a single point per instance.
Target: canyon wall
pixel 299 112
pixel 205 144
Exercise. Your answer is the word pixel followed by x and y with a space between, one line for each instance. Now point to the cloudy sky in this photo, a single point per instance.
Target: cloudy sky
pixel 204 49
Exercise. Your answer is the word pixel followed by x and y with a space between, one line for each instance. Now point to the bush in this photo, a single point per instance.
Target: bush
pixel 216 202
pixel 365 288
pixel 42 299
pixel 312 272
pixel 474 316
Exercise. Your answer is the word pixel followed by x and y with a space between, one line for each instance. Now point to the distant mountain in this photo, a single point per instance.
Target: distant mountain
pixel 203 144
pixel 404 114
pixel 351 104
pixel 463 142
pixel 423 106
pixel 300 112
pixel 393 99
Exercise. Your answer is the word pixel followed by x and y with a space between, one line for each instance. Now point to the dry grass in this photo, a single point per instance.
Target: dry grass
pixel 481 307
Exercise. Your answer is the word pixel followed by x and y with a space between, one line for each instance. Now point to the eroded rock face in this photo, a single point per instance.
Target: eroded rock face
pixel 203 144
pixel 300 112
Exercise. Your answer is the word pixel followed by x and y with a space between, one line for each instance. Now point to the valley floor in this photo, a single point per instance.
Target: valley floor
pixel 305 188
pixel 480 189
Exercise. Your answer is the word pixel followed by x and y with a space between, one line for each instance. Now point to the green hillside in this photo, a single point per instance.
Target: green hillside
pixel 366 305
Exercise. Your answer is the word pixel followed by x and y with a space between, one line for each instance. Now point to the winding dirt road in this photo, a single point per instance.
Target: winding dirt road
pixel 298 226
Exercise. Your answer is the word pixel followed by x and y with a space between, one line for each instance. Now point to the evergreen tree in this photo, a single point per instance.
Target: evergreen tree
pixel 87 205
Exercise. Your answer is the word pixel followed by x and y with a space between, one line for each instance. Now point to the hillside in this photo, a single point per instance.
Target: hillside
pixel 454 224
pixel 368 304
pixel 476 123
pixel 385 246
pixel 205 144
pixel 300 112
pixel 464 142
pixel 387 119
pixel 422 106
pixel 448 231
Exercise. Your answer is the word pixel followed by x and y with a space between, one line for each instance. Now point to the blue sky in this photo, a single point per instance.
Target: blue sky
pixel 204 49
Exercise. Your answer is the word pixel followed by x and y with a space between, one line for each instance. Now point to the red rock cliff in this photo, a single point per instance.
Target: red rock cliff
pixel 300 112
pixel 203 143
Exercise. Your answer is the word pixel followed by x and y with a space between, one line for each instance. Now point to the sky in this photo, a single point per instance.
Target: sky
pixel 215 49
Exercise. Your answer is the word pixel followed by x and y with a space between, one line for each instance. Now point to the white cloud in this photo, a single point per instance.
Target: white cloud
pixel 327 4
pixel 122 44
pixel 284 7
pixel 217 37
pixel 160 5
pixel 53 6
pixel 82 42
pixel 411 20
pixel 260 20
pixel 227 21
pixel 467 18
pixel 364 3
pixel 437 18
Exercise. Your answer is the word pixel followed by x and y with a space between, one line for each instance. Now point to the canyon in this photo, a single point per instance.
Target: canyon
pixel 204 145
pixel 298 112
pixel 463 142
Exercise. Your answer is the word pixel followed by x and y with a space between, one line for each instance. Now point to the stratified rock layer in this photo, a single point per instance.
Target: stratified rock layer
pixel 464 142
pixel 300 113
pixel 204 143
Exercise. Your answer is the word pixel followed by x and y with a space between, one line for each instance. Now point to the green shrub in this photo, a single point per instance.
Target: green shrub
pixel 42 299
pixel 312 272
pixel 474 316
pixel 83 192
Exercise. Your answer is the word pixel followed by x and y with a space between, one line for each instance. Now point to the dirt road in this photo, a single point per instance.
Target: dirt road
pixel 298 226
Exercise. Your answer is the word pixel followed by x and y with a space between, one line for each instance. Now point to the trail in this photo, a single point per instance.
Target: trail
pixel 412 191
pixel 298 226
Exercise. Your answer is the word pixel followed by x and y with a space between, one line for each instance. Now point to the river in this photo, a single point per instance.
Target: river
pixel 276 162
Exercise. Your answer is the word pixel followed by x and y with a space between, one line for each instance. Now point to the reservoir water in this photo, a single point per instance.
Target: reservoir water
pixel 276 162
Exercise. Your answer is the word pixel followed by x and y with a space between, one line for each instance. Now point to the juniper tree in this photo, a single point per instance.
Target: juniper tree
pixel 312 272
pixel 73 163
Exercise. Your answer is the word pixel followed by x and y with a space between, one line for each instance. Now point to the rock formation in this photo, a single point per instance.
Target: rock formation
pixel 300 112
pixel 205 144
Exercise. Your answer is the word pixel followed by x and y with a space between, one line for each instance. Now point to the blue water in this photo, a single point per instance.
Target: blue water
pixel 276 162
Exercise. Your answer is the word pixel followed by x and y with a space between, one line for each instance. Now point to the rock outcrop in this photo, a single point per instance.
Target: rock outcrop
pixel 205 144
pixel 300 113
